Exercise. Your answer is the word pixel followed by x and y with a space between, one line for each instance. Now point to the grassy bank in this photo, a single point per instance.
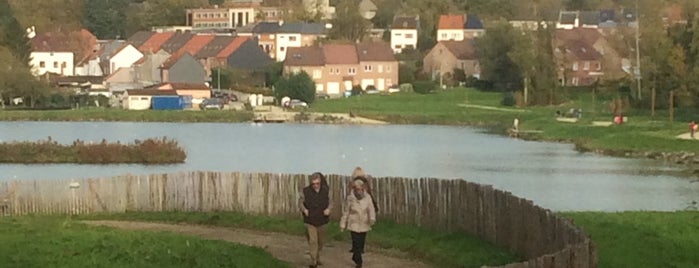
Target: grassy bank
pixel 59 242
pixel 149 151
pixel 643 239
pixel 439 248
pixel 98 114
pixel 461 106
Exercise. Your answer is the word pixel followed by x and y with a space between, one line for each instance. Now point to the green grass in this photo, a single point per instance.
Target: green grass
pixel 60 242
pixel 643 239
pixel 442 249
pixel 460 106
pixel 100 114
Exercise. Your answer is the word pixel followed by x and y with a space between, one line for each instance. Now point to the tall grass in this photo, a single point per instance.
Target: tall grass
pixel 149 151
pixel 643 239
pixel 442 249
pixel 60 242
pixel 101 114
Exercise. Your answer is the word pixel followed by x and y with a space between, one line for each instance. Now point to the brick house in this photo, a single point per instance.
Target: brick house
pixel 446 56
pixel 336 68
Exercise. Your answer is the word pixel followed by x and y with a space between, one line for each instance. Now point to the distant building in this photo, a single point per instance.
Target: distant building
pixel 404 33
pixel 459 27
pixel 446 56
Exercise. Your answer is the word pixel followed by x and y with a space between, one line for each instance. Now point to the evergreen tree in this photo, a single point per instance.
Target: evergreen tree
pixel 12 36
pixel 105 18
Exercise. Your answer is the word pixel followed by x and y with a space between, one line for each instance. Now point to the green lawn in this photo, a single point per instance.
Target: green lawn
pixel 461 106
pixel 442 249
pixel 643 239
pixel 55 241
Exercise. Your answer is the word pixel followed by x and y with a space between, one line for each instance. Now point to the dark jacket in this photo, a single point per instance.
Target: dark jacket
pixel 316 203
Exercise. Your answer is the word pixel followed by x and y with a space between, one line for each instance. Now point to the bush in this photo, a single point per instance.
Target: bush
pixel 424 87
pixel 508 99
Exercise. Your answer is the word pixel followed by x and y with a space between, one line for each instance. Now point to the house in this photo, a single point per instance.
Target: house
pixel 106 51
pixel 459 27
pixel 297 34
pixel 247 56
pixel 197 91
pixel 266 34
pixel 611 61
pixel 404 33
pixel 579 64
pixel 147 69
pixel 182 68
pixel 140 38
pixel 58 52
pixel 567 20
pixel 140 99
pixel 155 42
pixel 446 56
pixel 195 44
pixel 123 57
pixel 207 55
pixel 177 41
pixel 122 79
pixel 336 68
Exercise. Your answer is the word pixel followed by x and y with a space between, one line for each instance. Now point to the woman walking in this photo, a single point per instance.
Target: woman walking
pixel 358 215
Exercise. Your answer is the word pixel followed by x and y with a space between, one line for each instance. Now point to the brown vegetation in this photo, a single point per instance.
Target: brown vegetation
pixel 149 151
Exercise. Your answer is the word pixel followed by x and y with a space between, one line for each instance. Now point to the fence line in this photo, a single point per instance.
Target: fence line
pixel 497 216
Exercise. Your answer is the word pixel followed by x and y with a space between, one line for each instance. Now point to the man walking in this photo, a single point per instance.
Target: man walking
pixel 315 206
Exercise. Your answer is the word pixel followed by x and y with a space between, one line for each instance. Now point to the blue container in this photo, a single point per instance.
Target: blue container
pixel 167 103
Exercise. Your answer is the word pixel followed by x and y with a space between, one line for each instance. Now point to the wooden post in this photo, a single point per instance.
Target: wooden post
pixel 652 101
pixel 672 107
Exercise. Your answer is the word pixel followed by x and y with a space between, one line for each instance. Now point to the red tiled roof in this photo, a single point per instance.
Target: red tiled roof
pixel 375 51
pixel 196 43
pixel 232 47
pixel 451 22
pixel 341 54
pixel 304 56
pixel 82 43
pixel 155 42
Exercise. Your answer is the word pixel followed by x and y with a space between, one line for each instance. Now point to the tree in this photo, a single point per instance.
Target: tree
pixel 149 13
pixel 105 18
pixel 12 35
pixel 216 2
pixel 16 80
pixel 296 86
pixel 348 24
pixel 49 15
pixel 493 51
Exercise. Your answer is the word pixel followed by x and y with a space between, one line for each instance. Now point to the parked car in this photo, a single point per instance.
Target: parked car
pixel 212 104
pixel 294 104
pixel 322 96
pixel 394 89
pixel 225 96
pixel 372 91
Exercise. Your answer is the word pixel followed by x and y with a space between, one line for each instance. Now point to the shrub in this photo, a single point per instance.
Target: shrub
pixel 508 99
pixel 424 87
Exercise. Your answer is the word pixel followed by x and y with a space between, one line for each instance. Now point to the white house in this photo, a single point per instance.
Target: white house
pixel 451 27
pixel 89 67
pixel 124 57
pixel 404 32
pixel 52 62
pixel 296 34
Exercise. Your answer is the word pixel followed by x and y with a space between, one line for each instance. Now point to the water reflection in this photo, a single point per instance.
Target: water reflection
pixel 553 175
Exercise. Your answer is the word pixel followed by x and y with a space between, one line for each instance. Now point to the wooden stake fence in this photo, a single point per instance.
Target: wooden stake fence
pixel 546 240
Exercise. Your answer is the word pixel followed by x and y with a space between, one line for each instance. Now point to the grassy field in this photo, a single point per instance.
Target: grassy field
pixel 439 248
pixel 60 242
pixel 99 114
pixel 643 239
pixel 461 106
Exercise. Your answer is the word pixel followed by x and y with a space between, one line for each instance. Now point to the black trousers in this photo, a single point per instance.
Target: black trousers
pixel 358 240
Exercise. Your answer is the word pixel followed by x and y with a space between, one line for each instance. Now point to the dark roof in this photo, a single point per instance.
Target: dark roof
pixel 249 56
pixel 214 47
pixel 463 50
pixel 109 48
pixel 302 28
pixel 607 15
pixel 176 42
pixel 375 51
pixel 304 56
pixel 589 18
pixel 473 22
pixel 567 17
pixel 405 22
pixel 150 92
pixel 139 38
pixel 55 79
pixel 266 28
pixel 581 51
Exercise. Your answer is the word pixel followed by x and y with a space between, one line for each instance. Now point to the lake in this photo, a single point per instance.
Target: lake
pixel 553 175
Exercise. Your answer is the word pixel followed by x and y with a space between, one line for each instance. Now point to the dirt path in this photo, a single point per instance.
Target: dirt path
pixel 284 247
pixel 688 136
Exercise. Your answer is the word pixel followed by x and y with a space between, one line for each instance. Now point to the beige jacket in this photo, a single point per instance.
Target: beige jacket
pixel 358 215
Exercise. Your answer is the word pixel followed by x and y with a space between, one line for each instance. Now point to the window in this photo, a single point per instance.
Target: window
pixel 42 64
pixel 396 46
pixel 409 36
pixel 281 48
pixel 317 74
pixel 586 66
pixel 368 68
pixel 575 66
pixel 599 66
pixel 398 34
pixel 444 36
pixel 380 68
pixel 352 70
pixel 64 64
pixel 292 38
pixel 55 64
pixel 144 98
pixel 574 81
pixel 198 16
pixel 134 98
pixel 388 68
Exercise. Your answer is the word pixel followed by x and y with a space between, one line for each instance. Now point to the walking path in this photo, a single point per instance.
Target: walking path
pixel 688 136
pixel 285 247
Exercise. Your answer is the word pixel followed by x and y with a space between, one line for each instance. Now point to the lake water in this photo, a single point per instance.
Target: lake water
pixel 552 175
